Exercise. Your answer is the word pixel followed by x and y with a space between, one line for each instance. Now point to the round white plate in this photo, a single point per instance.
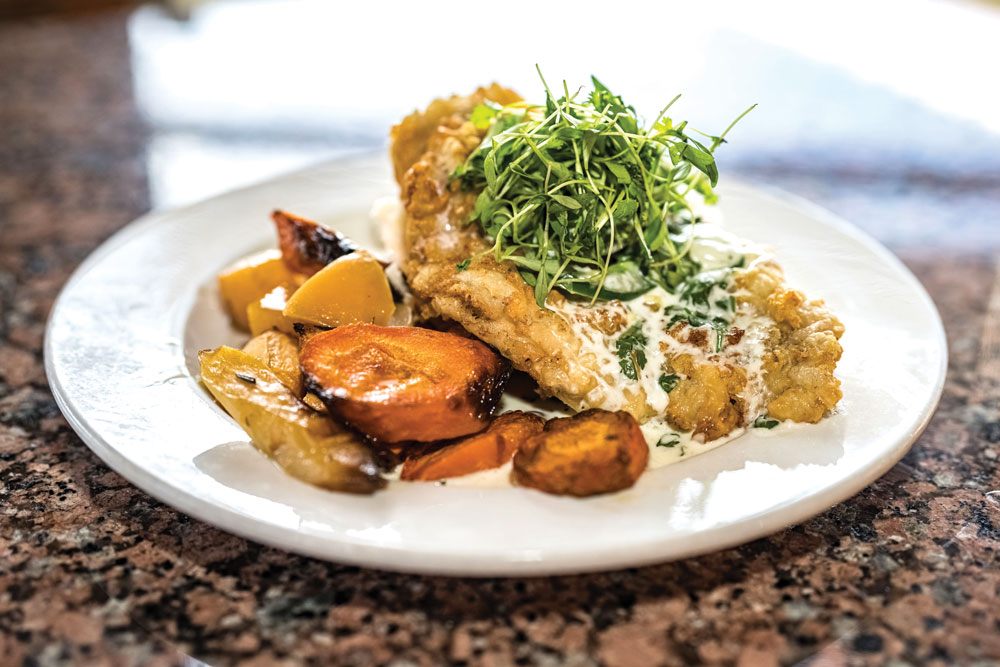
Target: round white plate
pixel 120 356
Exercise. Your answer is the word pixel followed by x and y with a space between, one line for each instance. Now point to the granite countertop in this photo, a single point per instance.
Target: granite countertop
pixel 93 571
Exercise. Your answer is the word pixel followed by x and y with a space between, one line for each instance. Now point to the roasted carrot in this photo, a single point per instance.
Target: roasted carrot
pixel 592 452
pixel 482 451
pixel 307 246
pixel 404 383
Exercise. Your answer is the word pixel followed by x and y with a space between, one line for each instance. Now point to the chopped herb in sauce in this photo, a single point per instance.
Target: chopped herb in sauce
pixel 700 318
pixel 668 382
pixel 631 348
pixel 669 440
pixel 765 422
pixel 463 265
pixel 698 288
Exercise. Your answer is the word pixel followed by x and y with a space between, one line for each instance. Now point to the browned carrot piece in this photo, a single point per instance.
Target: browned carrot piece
pixel 404 383
pixel 593 452
pixel 307 246
pixel 490 449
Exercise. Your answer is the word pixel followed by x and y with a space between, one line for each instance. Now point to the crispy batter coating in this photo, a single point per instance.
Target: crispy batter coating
pixel 709 400
pixel 492 302
pixel 802 350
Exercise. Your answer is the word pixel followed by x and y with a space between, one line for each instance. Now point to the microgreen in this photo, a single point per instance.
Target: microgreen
pixel 583 198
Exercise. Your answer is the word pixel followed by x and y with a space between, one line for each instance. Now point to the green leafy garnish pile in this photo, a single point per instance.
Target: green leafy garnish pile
pixel 583 198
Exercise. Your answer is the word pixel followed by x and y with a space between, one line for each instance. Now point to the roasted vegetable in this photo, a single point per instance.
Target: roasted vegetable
pixel 350 289
pixel 306 331
pixel 482 451
pixel 280 353
pixel 248 280
pixel 266 313
pixel 592 452
pixel 305 444
pixel 306 246
pixel 404 383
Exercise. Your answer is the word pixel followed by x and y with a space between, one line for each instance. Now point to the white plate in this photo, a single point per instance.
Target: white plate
pixel 120 356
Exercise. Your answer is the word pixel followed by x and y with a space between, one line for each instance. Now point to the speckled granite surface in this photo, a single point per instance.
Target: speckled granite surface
pixel 92 571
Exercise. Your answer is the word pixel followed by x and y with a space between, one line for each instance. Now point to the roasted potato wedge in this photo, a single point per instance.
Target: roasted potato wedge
pixel 592 452
pixel 307 445
pixel 306 246
pixel 280 353
pixel 267 312
pixel 482 451
pixel 249 279
pixel 350 289
pixel 404 383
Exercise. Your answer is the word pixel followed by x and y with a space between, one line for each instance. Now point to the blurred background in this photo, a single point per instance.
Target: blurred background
pixel 886 112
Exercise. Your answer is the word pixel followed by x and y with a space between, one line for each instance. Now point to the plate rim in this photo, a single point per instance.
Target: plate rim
pixel 391 557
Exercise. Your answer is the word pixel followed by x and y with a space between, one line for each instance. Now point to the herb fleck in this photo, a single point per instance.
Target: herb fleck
pixel 765 422
pixel 668 382
pixel 463 265
pixel 669 440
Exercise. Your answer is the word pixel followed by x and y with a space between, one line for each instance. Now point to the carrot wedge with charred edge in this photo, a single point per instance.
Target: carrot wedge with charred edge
pixel 593 452
pixel 307 246
pixel 404 383
pixel 482 451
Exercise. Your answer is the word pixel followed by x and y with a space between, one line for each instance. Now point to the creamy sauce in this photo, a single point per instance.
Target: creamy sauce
pixel 718 251
pixel 676 446
pixel 386 215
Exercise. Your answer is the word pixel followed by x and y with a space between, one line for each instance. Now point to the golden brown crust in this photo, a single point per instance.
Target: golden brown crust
pixel 802 349
pixel 409 139
pixel 709 400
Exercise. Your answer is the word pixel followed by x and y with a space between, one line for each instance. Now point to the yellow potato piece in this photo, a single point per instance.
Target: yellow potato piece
pixel 250 279
pixel 267 312
pixel 306 444
pixel 350 289
pixel 280 352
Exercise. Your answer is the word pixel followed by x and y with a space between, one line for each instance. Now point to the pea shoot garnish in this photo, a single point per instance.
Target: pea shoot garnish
pixel 583 198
